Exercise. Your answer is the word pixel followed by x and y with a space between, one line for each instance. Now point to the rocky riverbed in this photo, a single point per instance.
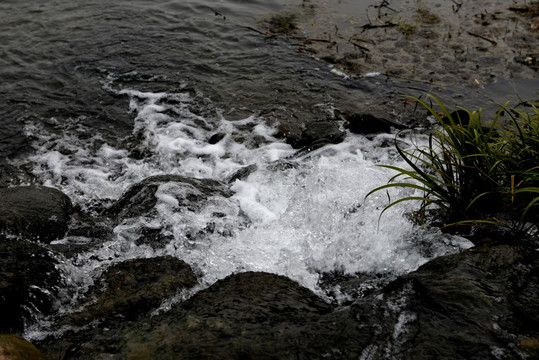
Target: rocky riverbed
pixel 479 303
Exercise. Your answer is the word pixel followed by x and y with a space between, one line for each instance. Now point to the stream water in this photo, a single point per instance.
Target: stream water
pixel 97 96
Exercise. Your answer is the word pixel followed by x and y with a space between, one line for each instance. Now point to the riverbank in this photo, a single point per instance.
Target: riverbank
pixel 436 42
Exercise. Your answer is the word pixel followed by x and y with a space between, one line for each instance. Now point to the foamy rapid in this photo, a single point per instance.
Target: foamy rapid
pixel 296 215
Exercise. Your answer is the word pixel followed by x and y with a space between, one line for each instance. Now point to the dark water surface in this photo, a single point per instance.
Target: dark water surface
pixel 56 56
pixel 60 60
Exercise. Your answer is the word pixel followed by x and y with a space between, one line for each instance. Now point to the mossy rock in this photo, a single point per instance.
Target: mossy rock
pixel 14 347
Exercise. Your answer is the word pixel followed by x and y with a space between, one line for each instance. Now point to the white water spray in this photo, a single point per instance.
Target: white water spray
pixel 294 215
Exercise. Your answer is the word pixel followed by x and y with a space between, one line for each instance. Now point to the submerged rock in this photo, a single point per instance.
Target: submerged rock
pixel 367 124
pixel 29 284
pixel 242 173
pixel 200 207
pixel 34 212
pixel 317 134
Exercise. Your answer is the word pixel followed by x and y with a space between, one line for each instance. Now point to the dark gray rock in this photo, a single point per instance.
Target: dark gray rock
pixel 215 138
pixel 243 173
pixel 133 288
pixel 317 134
pixel 367 124
pixel 185 196
pixel 479 304
pixel 34 212
pixel 29 284
pixel 245 316
pixel 139 199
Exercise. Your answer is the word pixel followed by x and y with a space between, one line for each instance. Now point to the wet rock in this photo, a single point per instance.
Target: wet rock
pixel 247 316
pixel 177 200
pixel 243 173
pixel 373 114
pixel 133 288
pixel 86 233
pixel 459 116
pixel 29 283
pixel 317 134
pixel 73 246
pixel 140 198
pixel 479 304
pixel 156 238
pixel 34 212
pixel 367 124
pixel 471 305
pixel 215 138
pixel 14 347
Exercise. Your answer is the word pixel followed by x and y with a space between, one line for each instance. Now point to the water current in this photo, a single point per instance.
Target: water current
pixel 97 96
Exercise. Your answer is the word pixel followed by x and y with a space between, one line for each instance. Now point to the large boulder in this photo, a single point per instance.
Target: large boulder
pixel 34 212
pixel 478 304
pixel 29 284
pixel 245 316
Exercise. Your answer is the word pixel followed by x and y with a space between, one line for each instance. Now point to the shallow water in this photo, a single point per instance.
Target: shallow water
pixel 97 96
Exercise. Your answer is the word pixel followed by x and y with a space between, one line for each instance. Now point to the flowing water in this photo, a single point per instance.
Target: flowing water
pixel 97 96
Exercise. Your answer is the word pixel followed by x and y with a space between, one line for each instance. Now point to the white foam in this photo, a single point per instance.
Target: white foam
pixel 298 221
pixel 372 74
pixel 339 73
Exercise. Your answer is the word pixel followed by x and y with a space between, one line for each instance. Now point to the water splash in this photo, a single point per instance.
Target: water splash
pixel 296 215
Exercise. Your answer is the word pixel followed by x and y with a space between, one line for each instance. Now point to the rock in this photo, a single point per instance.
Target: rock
pixel 34 212
pixel 367 124
pixel 201 206
pixel 29 284
pixel 242 173
pixel 133 288
pixel 471 305
pixel 479 304
pixel 459 116
pixel 382 111
pixel 317 134
pixel 139 199
pixel 14 347
pixel 215 138
pixel 248 315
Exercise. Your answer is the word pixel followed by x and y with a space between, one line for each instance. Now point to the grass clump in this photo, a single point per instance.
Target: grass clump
pixel 407 28
pixel 284 23
pixel 475 173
